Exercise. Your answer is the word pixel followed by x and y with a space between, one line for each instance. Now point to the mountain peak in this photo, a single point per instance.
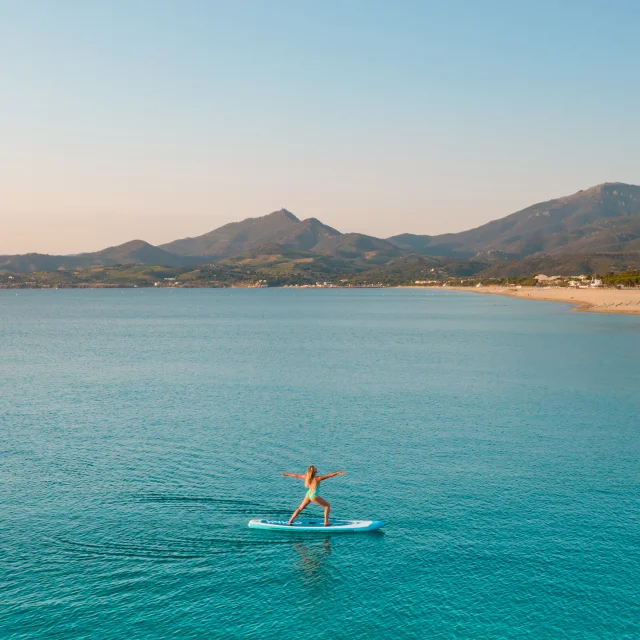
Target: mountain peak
pixel 132 244
pixel 287 214
pixel 314 223
pixel 603 186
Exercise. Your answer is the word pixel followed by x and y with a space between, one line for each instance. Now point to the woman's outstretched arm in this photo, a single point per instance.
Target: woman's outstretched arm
pixel 330 475
pixel 293 475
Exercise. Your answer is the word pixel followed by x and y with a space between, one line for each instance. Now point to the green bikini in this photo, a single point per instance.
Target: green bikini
pixel 313 492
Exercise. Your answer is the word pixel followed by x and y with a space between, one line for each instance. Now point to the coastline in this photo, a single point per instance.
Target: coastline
pixel 620 301
pixel 592 300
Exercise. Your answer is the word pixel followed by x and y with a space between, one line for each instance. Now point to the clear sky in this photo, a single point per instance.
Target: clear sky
pixel 163 119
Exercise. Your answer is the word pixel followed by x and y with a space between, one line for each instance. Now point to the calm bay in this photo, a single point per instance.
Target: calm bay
pixel 141 429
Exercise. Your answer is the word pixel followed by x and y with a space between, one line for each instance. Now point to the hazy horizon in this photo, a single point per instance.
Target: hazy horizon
pixel 299 216
pixel 158 121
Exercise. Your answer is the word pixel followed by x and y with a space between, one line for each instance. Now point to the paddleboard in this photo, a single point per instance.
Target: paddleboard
pixel 317 526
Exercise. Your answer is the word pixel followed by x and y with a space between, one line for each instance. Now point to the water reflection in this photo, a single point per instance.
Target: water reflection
pixel 312 559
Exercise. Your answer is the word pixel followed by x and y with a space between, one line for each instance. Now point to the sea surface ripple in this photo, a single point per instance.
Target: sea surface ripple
pixel 140 430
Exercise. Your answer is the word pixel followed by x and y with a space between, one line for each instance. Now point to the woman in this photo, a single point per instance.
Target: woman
pixel 312 481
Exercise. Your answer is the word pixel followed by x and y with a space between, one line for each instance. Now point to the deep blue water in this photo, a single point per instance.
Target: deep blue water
pixel 140 431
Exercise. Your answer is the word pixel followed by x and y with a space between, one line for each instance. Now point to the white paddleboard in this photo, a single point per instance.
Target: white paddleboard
pixel 317 526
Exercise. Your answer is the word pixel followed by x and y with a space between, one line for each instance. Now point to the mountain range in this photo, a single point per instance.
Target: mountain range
pixel 563 233
pixel 285 229
pixel 603 218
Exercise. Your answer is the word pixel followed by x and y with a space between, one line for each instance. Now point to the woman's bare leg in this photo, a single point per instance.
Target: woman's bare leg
pixel 303 504
pixel 327 508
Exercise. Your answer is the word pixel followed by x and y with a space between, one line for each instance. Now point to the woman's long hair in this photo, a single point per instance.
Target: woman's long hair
pixel 310 475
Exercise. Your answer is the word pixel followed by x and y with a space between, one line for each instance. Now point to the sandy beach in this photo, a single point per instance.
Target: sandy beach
pixel 593 300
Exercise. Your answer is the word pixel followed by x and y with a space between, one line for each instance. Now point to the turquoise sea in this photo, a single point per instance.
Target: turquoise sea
pixel 141 429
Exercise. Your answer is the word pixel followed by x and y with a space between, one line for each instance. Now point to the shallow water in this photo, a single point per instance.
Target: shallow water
pixel 140 431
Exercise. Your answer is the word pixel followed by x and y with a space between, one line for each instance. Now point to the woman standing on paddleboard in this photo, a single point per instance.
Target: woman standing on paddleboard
pixel 312 481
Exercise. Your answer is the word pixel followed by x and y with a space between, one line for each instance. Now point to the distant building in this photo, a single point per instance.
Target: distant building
pixel 541 277
pixel 596 282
